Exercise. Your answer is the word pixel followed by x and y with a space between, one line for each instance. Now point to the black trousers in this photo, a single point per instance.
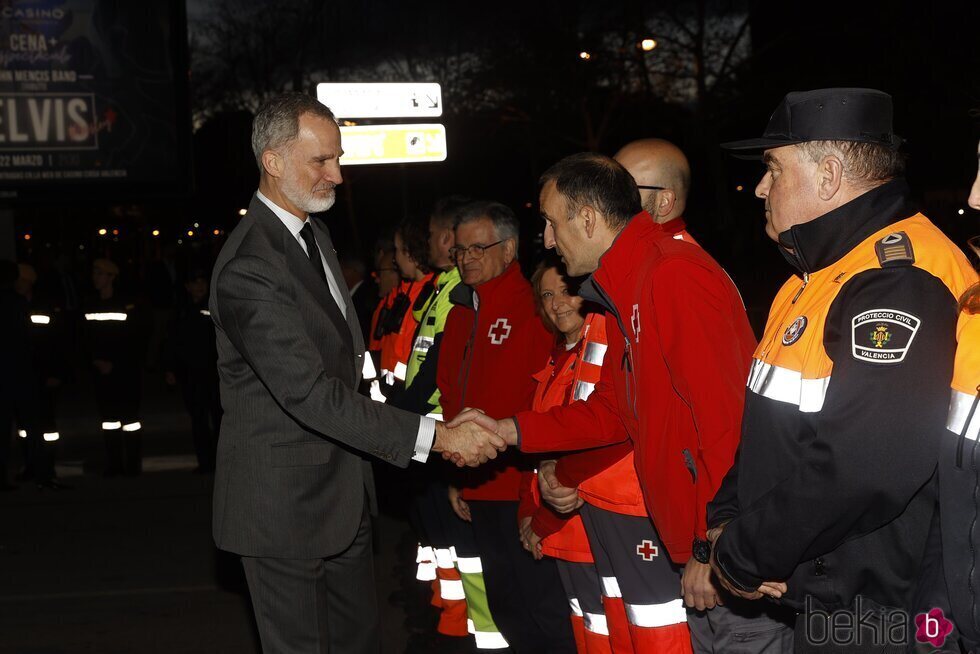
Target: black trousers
pixel 317 606
pixel 203 403
pixel 117 396
pixel 526 596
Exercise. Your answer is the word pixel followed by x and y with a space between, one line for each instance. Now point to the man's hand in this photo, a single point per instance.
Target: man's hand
pixel 467 444
pixel 561 498
pixel 505 428
pixel 460 507
pixel 774 589
pixel 696 587
pixel 530 540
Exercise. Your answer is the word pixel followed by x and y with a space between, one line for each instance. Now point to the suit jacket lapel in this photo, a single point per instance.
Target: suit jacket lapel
pixel 330 256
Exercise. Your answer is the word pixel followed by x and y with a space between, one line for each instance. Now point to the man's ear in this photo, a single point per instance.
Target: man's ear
pixel 510 249
pixel 590 219
pixel 830 174
pixel 272 163
pixel 666 200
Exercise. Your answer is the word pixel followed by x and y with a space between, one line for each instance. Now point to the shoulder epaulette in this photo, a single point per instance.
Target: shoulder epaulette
pixel 895 250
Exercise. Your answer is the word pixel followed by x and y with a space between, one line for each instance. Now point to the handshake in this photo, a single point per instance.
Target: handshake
pixel 472 438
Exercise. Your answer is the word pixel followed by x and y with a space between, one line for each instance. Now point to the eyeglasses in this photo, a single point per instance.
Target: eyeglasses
pixel 474 252
pixel 651 188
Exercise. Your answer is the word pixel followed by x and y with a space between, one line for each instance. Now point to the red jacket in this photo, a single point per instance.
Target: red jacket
pixel 675 378
pixel 487 359
pixel 396 346
pixel 562 536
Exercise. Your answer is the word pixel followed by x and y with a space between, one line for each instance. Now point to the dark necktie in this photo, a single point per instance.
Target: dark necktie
pixel 313 252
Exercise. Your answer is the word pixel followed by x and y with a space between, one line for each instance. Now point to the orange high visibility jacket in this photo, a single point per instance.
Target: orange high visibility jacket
pixel 397 327
pixel 847 398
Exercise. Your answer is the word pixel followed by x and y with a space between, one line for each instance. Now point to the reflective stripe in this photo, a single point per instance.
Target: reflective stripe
pixel 960 405
pixel 583 390
pixel 574 605
pixel 51 436
pixel 452 553
pixel 785 385
pixel 594 353
pixel 422 344
pixel 469 565
pixel 489 640
pixel 444 558
pixel 451 589
pixel 108 426
pixel 435 416
pixel 596 623
pixel 22 433
pixel 400 371
pixel 205 312
pixel 367 370
pixel 426 571
pixel 610 587
pixel 105 316
pixel 38 319
pixel 133 426
pixel 656 615
pixel 678 237
pixel 470 626
pixel 424 555
pixel 376 393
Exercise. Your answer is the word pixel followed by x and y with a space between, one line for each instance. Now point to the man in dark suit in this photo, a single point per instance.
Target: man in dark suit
pixel 293 495
pixel 363 289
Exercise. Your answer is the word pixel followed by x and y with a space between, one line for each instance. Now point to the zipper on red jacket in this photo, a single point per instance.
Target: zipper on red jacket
pixel 627 362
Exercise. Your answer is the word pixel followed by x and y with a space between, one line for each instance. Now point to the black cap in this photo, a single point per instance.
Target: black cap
pixel 863 115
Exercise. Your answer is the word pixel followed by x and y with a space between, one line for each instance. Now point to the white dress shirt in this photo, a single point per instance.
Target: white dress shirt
pixel 427 426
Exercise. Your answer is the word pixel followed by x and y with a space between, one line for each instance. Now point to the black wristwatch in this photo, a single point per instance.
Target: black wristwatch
pixel 701 550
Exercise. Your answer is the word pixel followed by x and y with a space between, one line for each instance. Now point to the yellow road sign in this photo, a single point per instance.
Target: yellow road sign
pixel 387 144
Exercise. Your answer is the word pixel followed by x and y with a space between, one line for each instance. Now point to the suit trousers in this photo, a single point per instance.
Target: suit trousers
pixel 317 606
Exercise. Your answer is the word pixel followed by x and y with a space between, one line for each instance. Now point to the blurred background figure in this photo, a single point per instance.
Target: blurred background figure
pixel 113 336
pixel 191 361
pixel 363 290
pixel 50 361
pixel 17 380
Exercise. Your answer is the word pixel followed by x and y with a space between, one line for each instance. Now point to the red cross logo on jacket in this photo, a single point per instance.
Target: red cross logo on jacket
pixel 499 331
pixel 647 550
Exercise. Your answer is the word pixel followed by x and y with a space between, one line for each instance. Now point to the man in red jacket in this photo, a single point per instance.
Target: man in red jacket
pixel 678 365
pixel 493 344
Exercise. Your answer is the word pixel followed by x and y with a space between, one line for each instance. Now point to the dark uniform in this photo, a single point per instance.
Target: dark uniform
pixel 114 335
pixel 17 382
pixel 193 358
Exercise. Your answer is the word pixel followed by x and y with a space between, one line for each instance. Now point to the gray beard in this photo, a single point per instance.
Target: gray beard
pixel 305 200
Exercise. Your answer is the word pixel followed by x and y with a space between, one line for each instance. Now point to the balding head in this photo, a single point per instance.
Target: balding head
pixel 656 162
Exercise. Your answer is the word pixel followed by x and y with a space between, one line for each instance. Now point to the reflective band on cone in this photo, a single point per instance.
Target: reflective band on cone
pixel 51 436
pixel 451 589
pixel 657 615
pixel 22 433
pixel 111 426
pixel 132 426
pixel 596 623
pixel 490 640
pixel 610 587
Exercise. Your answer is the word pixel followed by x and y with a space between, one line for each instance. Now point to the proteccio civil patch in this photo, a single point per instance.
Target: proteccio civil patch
pixel 883 336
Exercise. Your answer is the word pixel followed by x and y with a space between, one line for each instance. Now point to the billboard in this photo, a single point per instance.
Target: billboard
pixel 93 98
pixel 386 144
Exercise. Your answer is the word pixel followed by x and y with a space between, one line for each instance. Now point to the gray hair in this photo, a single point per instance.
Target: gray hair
pixel 865 164
pixel 504 221
pixel 277 121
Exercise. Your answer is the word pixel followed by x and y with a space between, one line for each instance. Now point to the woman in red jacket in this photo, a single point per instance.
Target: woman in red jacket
pixel 542 531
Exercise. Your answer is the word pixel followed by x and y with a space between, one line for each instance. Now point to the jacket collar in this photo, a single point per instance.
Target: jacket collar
pixel 825 240
pixel 497 291
pixel 618 262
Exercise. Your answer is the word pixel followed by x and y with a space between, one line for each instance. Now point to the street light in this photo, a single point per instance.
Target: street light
pixel 155 232
pixel 242 212
pixel 647 45
pixel 584 55
pixel 103 231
